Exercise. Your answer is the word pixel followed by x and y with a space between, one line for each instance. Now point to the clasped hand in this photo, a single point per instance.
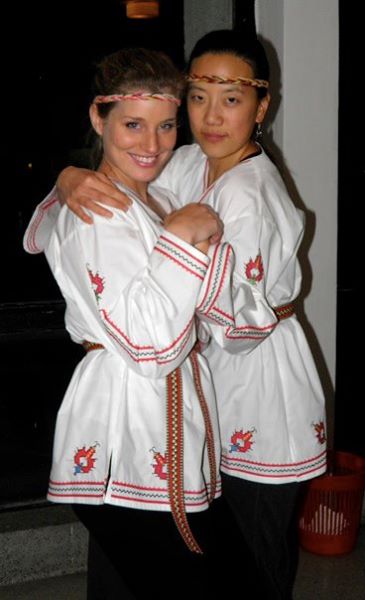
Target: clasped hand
pixel 197 224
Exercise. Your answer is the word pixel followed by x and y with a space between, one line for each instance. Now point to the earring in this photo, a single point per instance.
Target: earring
pixel 258 132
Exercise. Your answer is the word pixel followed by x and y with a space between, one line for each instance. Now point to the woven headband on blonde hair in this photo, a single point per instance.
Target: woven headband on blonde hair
pixel 259 83
pixel 136 96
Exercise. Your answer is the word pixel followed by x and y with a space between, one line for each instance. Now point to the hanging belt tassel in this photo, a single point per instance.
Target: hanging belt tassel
pixel 208 425
pixel 175 458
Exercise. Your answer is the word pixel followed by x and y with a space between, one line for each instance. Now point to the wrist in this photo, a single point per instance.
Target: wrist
pixel 181 232
pixel 63 179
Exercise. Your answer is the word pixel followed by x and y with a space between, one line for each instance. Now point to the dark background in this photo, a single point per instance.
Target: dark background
pixel 349 422
pixel 46 73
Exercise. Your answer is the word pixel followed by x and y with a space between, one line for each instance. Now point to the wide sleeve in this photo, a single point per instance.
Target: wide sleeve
pixel 241 318
pixel 141 305
pixel 42 223
pixel 217 286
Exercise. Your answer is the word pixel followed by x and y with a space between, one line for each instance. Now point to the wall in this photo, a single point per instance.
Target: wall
pixel 201 16
pixel 304 135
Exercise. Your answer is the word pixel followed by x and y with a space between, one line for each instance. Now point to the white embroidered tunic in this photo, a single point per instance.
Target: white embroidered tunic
pixel 133 287
pixel 270 401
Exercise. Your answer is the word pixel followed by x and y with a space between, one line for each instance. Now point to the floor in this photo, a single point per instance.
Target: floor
pixel 319 578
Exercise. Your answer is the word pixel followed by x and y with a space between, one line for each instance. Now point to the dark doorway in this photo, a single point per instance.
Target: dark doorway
pixel 349 429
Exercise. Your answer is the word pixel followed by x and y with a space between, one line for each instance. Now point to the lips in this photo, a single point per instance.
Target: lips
pixel 213 137
pixel 144 161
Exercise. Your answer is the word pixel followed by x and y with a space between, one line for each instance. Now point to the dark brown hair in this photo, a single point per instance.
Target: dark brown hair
pixel 245 46
pixel 136 69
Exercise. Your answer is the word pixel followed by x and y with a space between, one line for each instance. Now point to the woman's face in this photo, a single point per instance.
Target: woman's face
pixel 223 116
pixel 138 138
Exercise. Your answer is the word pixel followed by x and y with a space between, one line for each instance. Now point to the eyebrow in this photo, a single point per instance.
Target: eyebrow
pixel 145 120
pixel 234 88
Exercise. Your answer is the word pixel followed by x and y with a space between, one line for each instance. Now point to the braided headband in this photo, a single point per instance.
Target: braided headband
pixel 136 96
pixel 260 83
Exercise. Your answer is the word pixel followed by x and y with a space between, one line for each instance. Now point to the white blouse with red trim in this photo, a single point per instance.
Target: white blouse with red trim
pixel 270 402
pixel 133 287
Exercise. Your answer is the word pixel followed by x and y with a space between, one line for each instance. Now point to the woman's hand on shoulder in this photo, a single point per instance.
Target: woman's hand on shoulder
pixel 82 188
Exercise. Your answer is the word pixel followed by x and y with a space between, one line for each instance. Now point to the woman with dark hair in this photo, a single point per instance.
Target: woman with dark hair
pixel 270 401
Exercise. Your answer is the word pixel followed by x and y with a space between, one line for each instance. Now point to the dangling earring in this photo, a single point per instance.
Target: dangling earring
pixel 258 132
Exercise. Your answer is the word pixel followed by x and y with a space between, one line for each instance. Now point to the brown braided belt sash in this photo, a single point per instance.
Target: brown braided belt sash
pixel 175 444
pixel 285 311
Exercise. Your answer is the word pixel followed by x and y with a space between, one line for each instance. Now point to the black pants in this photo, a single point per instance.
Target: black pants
pixel 135 554
pixel 267 517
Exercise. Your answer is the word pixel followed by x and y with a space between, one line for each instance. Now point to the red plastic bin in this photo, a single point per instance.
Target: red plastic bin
pixel 330 515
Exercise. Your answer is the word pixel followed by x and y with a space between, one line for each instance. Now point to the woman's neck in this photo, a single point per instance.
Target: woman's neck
pixel 219 166
pixel 139 187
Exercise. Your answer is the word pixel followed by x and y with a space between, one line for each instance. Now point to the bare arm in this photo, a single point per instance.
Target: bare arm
pixel 82 188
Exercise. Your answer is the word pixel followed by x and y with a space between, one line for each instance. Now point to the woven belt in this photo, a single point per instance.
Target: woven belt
pixel 175 444
pixel 92 346
pixel 285 311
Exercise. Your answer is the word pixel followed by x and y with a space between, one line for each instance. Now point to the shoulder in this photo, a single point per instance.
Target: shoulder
pixel 254 187
pixel 186 155
pixel 70 227
pixel 188 152
pixel 165 197
pixel 256 174
pixel 240 191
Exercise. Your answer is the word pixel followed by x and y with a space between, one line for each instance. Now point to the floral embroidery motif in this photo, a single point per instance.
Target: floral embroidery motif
pixel 320 431
pixel 254 270
pixel 84 459
pixel 242 441
pixel 160 464
pixel 97 283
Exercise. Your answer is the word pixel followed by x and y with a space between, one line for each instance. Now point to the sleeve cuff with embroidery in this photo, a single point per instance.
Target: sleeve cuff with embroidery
pixel 180 257
pixel 215 297
pixel 42 223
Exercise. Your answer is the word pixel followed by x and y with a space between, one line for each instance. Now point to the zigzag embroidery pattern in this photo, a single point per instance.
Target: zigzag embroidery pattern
pixel 218 270
pixel 298 469
pixel 181 257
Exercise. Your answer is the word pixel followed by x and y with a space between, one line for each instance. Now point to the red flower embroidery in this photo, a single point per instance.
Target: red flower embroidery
pixel 242 441
pixel 97 283
pixel 254 269
pixel 320 431
pixel 84 459
pixel 160 464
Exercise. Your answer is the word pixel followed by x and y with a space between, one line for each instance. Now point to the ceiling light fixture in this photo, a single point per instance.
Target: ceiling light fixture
pixel 142 9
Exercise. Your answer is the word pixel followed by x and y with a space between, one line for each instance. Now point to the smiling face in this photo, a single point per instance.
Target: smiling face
pixel 138 137
pixel 223 116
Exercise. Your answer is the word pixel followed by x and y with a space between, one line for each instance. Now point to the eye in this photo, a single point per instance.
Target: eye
pixel 132 125
pixel 168 126
pixel 197 98
pixel 232 100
